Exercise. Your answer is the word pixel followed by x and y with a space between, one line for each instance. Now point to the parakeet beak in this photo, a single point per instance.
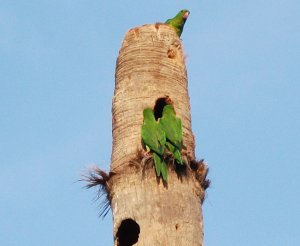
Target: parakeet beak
pixel 186 15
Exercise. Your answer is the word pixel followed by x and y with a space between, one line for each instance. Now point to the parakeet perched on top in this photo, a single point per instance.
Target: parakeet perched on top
pixel 178 21
pixel 154 138
pixel 172 126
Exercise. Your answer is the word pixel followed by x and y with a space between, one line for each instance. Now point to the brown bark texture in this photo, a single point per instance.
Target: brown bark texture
pixel 146 211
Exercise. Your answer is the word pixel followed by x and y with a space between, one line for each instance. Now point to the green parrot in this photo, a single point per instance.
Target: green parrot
pixel 173 128
pixel 155 140
pixel 178 21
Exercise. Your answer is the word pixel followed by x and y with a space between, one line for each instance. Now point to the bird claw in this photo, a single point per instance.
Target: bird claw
pixel 147 154
pixel 185 159
pixel 145 160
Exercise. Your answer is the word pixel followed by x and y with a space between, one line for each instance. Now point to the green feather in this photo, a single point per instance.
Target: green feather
pixel 178 21
pixel 160 167
pixel 164 171
pixel 154 138
pixel 152 134
pixel 172 127
pixel 175 152
pixel 157 163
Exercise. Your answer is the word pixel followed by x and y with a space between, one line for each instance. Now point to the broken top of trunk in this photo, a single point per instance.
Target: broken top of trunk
pixel 150 73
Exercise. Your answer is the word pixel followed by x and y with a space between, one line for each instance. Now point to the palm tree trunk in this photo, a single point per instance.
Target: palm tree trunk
pixel 151 72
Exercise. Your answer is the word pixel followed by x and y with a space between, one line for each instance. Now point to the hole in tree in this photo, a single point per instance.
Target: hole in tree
pixel 128 233
pixel 159 106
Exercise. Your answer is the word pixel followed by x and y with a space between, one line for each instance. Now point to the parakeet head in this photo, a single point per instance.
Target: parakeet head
pixel 148 113
pixel 178 21
pixel 168 109
pixel 184 14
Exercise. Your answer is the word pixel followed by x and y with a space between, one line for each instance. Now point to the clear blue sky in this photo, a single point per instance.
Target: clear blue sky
pixel 56 85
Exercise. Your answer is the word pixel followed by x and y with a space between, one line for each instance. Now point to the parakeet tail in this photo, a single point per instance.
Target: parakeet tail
pixel 177 156
pixel 164 171
pixel 157 163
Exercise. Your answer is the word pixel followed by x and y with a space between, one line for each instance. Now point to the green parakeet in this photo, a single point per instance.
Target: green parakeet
pixel 154 138
pixel 178 21
pixel 172 126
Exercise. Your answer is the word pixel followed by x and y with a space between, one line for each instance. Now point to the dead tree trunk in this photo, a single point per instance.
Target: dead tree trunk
pixel 151 72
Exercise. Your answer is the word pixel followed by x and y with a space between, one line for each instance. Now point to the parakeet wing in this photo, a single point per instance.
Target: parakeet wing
pixel 153 136
pixel 177 132
pixel 153 139
pixel 175 152
pixel 173 128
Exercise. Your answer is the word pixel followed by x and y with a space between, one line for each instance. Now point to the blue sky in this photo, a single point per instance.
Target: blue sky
pixel 57 78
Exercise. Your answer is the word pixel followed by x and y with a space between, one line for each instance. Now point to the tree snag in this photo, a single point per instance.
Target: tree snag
pixel 151 72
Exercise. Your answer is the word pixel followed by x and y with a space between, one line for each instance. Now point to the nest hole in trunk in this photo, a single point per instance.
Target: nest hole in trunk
pixel 128 233
pixel 159 106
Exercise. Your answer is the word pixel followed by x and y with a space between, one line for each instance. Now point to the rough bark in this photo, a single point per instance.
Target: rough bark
pixel 151 66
